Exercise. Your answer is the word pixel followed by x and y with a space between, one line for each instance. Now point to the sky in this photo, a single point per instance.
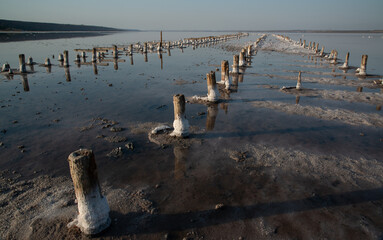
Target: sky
pixel 202 14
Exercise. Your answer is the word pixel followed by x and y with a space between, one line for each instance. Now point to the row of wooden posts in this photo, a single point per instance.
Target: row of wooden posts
pixel 99 53
pixel 93 208
pixel 333 57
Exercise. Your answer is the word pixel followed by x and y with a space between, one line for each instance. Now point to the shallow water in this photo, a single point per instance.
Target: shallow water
pixel 45 113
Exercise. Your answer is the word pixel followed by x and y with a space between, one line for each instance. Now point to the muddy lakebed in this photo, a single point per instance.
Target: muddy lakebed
pixel 263 163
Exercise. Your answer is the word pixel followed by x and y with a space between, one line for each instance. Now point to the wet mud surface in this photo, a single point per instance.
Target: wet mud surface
pixel 259 163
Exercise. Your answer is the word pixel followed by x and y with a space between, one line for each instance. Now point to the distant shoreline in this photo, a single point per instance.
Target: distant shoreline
pixel 16 36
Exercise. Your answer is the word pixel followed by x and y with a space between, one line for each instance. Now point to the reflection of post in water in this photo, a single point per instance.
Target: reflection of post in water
pixel 224 105
pixel 115 64
pixel 24 79
pixel 378 107
pixel 169 54
pixel 162 61
pixel 131 60
pixel 31 68
pixel 145 57
pixel 180 157
pixel 95 70
pixel 241 74
pixel 234 78
pixel 212 112
pixel 297 98
pixel 67 74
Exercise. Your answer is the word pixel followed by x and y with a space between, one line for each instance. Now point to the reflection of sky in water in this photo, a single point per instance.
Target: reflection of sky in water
pixel 143 92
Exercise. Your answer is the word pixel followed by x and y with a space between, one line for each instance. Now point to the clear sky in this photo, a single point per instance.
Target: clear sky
pixel 202 14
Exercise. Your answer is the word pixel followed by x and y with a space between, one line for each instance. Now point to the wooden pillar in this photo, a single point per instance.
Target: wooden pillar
pixel 24 79
pixel 316 48
pixel 66 59
pixel 47 62
pixel 115 51
pixel 93 208
pixel 335 57
pixel 299 87
pixel 363 65
pixel 78 58
pixel 145 50
pixel 30 61
pixel 241 59
pixel 304 43
pixel 22 63
pixel 235 63
pixel 322 51
pixel 94 55
pixel 345 64
pixel 180 124
pixel 224 64
pixel 211 87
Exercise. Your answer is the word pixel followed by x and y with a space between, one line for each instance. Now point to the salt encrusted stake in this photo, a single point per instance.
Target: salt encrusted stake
pixel 249 50
pixel 299 87
pixel 235 64
pixel 363 65
pixel 66 59
pixel 30 61
pixel 345 64
pixel 224 65
pixel 93 208
pixel 335 57
pixel 211 87
pixel 316 48
pixel 304 43
pixel 22 63
pixel 227 80
pixel 241 59
pixel 94 55
pixel 180 124
pixel 60 57
pixel 322 51
pixel 78 58
pixel 47 62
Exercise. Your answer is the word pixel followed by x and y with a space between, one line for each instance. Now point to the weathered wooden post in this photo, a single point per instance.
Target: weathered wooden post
pixel 359 89
pixel 299 87
pixel 335 57
pixel 224 64
pixel 363 66
pixel 93 208
pixel 180 124
pixel 5 67
pixel 30 61
pixel 160 46
pixel 211 87
pixel 322 51
pixel 60 58
pixel 115 51
pixel 316 48
pixel 94 55
pixel 145 50
pixel 78 58
pixel 345 64
pixel 66 59
pixel 309 46
pixel 47 62
pixel 22 63
pixel 304 43
pixel 300 42
pixel 241 59
pixel 227 79
pixel 249 50
pixel 235 64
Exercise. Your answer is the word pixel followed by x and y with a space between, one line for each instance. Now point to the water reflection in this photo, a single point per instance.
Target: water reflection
pixel 115 63
pixel 180 157
pixel 48 68
pixel 145 57
pixel 95 70
pixel 24 80
pixel 297 98
pixel 169 54
pixel 162 62
pixel 31 67
pixel 212 112
pixel 131 59
pixel 234 87
pixel 67 74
